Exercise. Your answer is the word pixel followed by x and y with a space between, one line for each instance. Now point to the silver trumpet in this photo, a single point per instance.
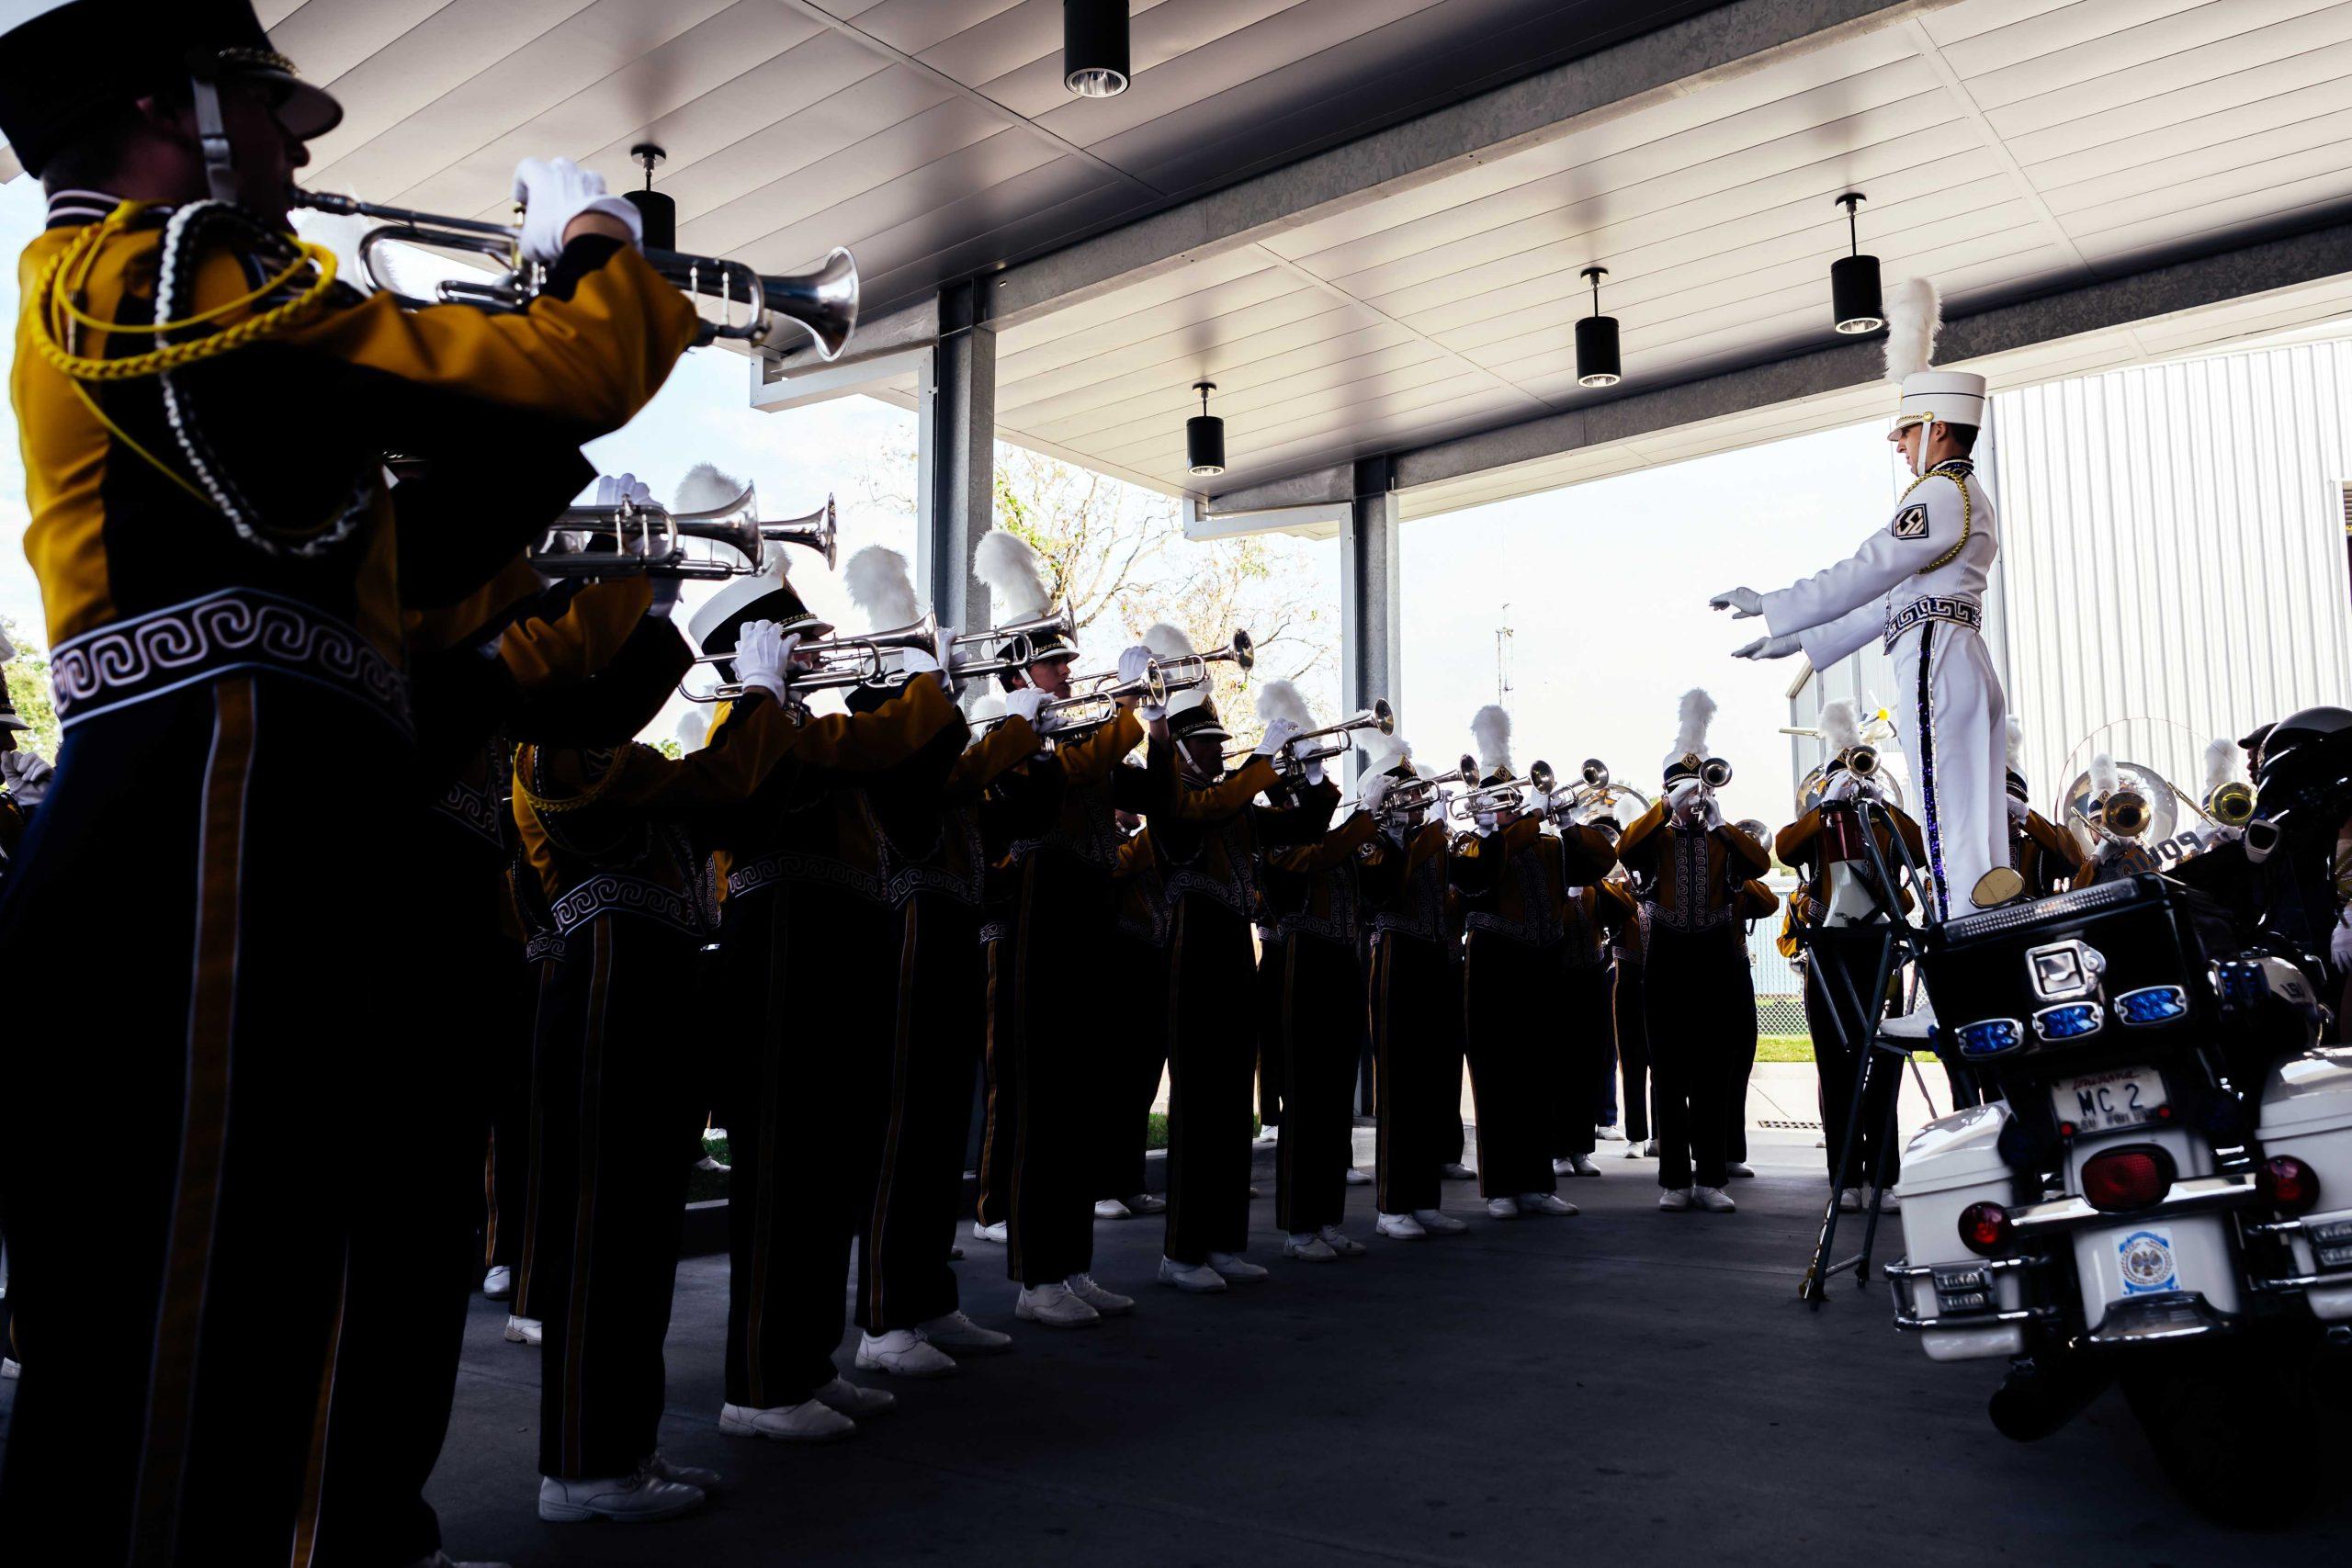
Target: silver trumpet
pixel 638 537
pixel 1191 670
pixel 776 309
pixel 1411 797
pixel 1067 717
pixel 863 659
pixel 1331 740
pixel 1023 637
pixel 1599 793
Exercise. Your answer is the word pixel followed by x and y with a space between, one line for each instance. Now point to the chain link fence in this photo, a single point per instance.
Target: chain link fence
pixel 1780 986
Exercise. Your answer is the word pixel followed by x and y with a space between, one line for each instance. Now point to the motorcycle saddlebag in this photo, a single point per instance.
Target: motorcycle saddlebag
pixel 1951 1296
pixel 2307 1112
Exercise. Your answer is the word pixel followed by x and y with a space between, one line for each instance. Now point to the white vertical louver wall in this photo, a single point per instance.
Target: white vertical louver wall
pixel 2174 549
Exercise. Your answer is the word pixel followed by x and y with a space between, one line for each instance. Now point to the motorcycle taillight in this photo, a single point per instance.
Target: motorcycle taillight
pixel 1984 1229
pixel 2289 1184
pixel 2123 1180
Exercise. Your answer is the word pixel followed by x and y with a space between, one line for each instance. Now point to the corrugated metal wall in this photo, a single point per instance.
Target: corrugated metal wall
pixel 2173 550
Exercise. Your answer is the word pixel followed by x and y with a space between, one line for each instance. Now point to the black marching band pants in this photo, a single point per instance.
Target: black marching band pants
pixel 1842 1014
pixel 1210 1054
pixel 809 978
pixel 1064 999
pixel 1321 1018
pixel 1580 1059
pixel 1702 1008
pixel 1509 991
pixel 170 1404
pixel 1417 1048
pixel 1633 1049
pixel 1126 1124
pixel 940 1018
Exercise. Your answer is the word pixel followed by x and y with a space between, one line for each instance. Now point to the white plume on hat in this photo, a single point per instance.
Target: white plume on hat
pixel 1382 752
pixel 694 732
pixel 2017 744
pixel 1167 642
pixel 1283 699
pixel 1014 574
pixel 2105 779
pixel 881 586
pixel 1490 736
pixel 1690 735
pixel 2222 764
pixel 1914 314
pixel 983 707
pixel 1840 730
pixel 707 486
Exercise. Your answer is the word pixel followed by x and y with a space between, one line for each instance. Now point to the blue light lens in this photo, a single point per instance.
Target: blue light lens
pixel 2069 1022
pixel 1989 1038
pixel 2242 984
pixel 2157 1004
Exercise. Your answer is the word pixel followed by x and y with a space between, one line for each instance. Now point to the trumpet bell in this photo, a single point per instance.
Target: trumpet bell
pixel 1715 772
pixel 1863 761
pixel 2232 805
pixel 2143 806
pixel 819 531
pixel 1542 777
pixel 822 304
pixel 1596 773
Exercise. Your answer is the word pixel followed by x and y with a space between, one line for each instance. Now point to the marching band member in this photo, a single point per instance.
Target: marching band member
pixel 1514 883
pixel 924 818
pixel 1626 947
pixel 1700 997
pixel 1142 942
pixel 1755 902
pixel 1415 985
pixel 203 413
pixel 1319 1011
pixel 1918 584
pixel 2045 855
pixel 1840 917
pixel 1591 914
pixel 803 917
pixel 1208 839
pixel 1060 977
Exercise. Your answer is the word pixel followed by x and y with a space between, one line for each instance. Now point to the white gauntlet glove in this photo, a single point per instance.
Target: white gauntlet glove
pixel 1745 603
pixel 762 657
pixel 2019 812
pixel 1134 663
pixel 1375 792
pixel 1279 734
pixel 1768 648
pixel 1024 703
pixel 553 192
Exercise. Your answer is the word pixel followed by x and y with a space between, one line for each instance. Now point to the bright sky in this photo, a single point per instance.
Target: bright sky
pixel 1606 583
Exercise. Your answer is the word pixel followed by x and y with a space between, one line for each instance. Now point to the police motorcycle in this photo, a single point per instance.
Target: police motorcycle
pixel 2157 1193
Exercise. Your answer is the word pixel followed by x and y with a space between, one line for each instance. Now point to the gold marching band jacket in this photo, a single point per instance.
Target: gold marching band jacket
pixel 1799 844
pixel 1084 826
pixel 2045 854
pixel 1324 898
pixel 1533 889
pixel 1143 913
pixel 1212 842
pixel 1690 877
pixel 1411 888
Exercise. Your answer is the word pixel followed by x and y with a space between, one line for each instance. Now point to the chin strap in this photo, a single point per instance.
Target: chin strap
pixel 212 133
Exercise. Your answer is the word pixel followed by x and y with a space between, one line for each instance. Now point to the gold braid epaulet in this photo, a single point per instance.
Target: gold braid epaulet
pixel 555 807
pixel 1967 515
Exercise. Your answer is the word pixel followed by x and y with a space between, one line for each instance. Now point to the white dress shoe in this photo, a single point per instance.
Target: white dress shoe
pixel 1198 1278
pixel 1145 1203
pixel 1502 1207
pixel 640 1496
pixel 692 1475
pixel 1632 1149
pixel 960 1334
pixel 1850 1199
pixel 1400 1227
pixel 10 1368
pixel 1357 1178
pixel 1917 1024
pixel 1308 1248
pixel 1110 1304
pixel 1582 1165
pixel 499 1283
pixel 811 1421
pixel 1341 1242
pixel 1715 1200
pixel 1053 1305
pixel 1545 1203
pixel 1649 1148
pixel 1111 1209
pixel 1236 1268
pixel 1889 1201
pixel 1437 1224
pixel 1610 1134
pixel 1674 1200
pixel 1454 1170
pixel 1564 1168
pixel 849 1399
pixel 525 1331
pixel 989 1233
pixel 903 1353
pixel 1737 1168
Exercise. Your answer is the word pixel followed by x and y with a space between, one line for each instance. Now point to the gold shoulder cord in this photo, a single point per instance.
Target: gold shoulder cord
pixel 547 806
pixel 1967 517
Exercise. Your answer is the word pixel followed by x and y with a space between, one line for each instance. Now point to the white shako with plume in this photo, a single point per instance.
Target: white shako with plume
pixel 1019 589
pixel 1189 711
pixel 884 591
pixel 1388 754
pixel 767 595
pixel 1914 318
pixel 1698 712
pixel 1840 730
pixel 1490 744
pixel 1283 699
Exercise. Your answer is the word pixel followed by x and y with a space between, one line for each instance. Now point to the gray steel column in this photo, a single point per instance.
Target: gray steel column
pixel 956 451
pixel 1370 646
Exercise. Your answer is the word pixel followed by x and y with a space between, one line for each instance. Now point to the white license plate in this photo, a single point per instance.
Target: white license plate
pixel 2120 1096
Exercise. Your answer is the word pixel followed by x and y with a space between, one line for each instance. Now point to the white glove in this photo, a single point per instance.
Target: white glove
pixel 1710 812
pixel 1135 662
pixel 1768 648
pixel 1375 792
pixel 2339 946
pixel 2019 812
pixel 553 192
pixel 762 655
pixel 1315 772
pixel 1486 829
pixel 1679 800
pixel 1745 603
pixel 1025 703
pixel 1279 734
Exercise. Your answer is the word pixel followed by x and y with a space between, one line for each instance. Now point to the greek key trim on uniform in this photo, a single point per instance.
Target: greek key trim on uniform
pixel 1340 925
pixel 1932 608
pixel 787 865
pixel 608 893
pixel 1418 910
pixel 144 656
pixel 476 810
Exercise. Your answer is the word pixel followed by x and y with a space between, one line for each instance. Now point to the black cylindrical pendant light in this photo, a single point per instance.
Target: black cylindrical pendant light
pixel 1204 436
pixel 1853 279
pixel 1094 47
pixel 658 212
pixel 1597 362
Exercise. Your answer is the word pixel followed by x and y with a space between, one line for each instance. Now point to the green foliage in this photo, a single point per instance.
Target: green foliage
pixel 669 748
pixel 28 676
